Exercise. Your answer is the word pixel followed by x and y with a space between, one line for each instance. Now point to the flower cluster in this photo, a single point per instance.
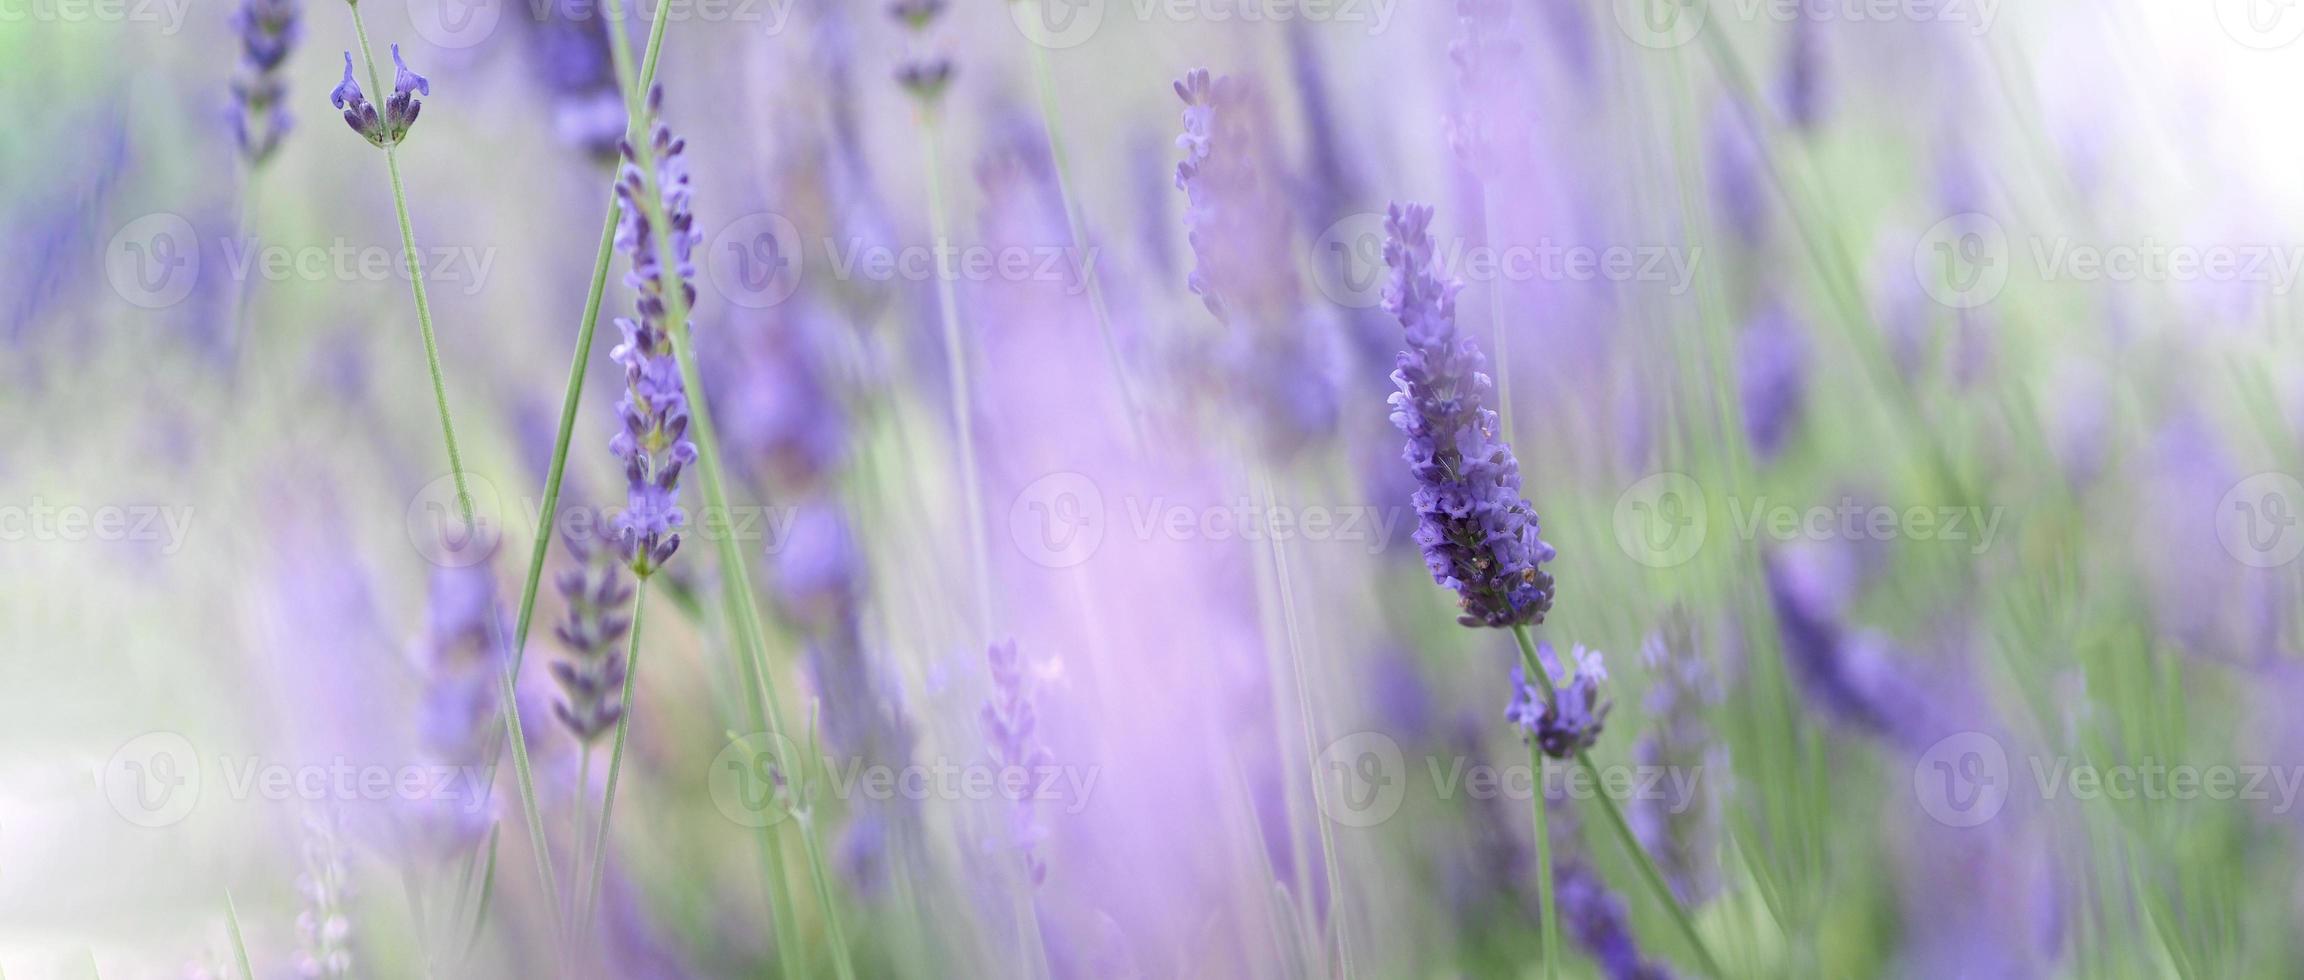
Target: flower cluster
pixel 1484 54
pixel 577 70
pixel 1238 222
pixel 1570 720
pixel 388 128
pixel 268 30
pixel 592 675
pixel 323 930
pixel 924 74
pixel 653 439
pixel 1009 720
pixel 1478 534
pixel 1680 834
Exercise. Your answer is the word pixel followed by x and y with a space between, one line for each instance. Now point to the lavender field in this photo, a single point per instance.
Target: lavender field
pixel 1151 488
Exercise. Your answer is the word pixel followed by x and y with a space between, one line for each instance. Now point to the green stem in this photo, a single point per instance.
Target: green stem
pixel 423 301
pixel 1052 121
pixel 1548 913
pixel 456 469
pixel 1305 723
pixel 571 399
pixel 735 569
pixel 1503 366
pixel 239 944
pixel 1641 858
pixel 576 844
pixel 956 368
pixel 616 754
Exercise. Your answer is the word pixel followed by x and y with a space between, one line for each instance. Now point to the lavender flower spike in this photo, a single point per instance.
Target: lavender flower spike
pixel 1479 535
pixel 1571 721
pixel 388 128
pixel 653 441
pixel 1009 720
pixel 592 675
pixel 268 30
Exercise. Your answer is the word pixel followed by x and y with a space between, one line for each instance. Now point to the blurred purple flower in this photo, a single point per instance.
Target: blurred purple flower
pixel 1009 721
pixel 323 928
pixel 653 441
pixel 1680 833
pixel 268 30
pixel 1489 129
pixel 1479 536
pixel 1772 376
pixel 569 48
pixel 1237 221
pixel 591 676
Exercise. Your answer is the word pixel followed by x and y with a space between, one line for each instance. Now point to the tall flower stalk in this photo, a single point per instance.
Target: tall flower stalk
pixel 1480 536
pixel 385 130
pixel 1052 123
pixel 925 77
pixel 735 569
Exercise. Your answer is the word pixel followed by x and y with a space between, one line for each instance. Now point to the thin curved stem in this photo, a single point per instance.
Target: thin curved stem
pixel 616 755
pixel 1548 913
pixel 735 569
pixel 1052 122
pixel 1648 870
pixel 956 370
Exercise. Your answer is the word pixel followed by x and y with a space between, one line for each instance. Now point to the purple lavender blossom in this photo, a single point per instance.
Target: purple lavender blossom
pixel 1009 721
pixel 1569 722
pixel 591 676
pixel 923 74
pixel 1680 833
pixel 323 930
pixel 653 441
pixel 400 110
pixel 268 30
pixel 1484 131
pixel 578 71
pixel 1596 918
pixel 1237 222
pixel 1772 374
pixel 1803 68
pixel 1479 536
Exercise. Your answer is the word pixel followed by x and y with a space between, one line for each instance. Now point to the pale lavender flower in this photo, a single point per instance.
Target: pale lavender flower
pixel 923 74
pixel 1237 222
pixel 1480 537
pixel 1772 376
pixel 1803 92
pixel 1010 736
pixel 591 676
pixel 1680 833
pixel 268 30
pixel 653 440
pixel 1595 917
pixel 323 928
pixel 572 59
pixel 1487 131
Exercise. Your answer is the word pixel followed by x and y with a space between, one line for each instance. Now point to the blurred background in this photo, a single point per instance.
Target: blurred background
pixel 1910 390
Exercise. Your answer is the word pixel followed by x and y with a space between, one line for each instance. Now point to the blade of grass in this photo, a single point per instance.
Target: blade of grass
pixel 239 943
pixel 616 754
